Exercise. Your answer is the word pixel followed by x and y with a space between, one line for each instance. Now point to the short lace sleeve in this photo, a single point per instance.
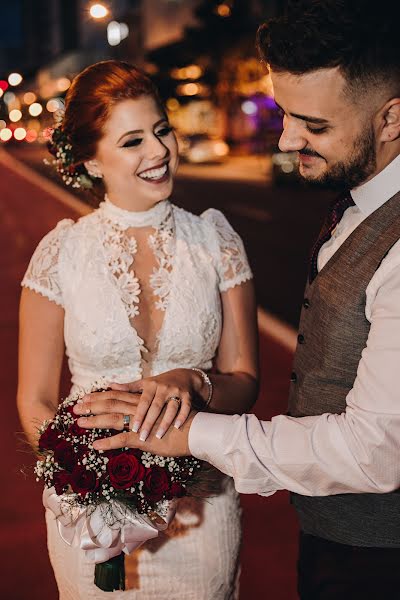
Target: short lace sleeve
pixel 231 259
pixel 42 273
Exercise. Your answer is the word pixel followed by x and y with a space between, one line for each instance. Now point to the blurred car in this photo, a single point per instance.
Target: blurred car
pixel 202 148
pixel 285 166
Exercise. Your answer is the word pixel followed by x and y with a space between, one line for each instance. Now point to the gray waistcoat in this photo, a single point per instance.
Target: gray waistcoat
pixel 332 334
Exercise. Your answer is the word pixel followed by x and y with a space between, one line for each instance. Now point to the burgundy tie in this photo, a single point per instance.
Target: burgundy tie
pixel 333 218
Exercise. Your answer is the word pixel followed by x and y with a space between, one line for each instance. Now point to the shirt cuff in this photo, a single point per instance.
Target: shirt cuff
pixel 207 435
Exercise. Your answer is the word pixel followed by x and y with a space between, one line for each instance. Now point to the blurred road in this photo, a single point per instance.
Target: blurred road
pixel 277 223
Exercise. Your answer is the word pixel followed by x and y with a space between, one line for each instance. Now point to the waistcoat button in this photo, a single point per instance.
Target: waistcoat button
pixel 293 377
pixel 306 303
pixel 301 338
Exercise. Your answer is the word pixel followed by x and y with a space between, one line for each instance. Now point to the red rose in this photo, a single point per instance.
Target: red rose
pixel 125 470
pixel 156 483
pixel 49 439
pixel 176 490
pixel 65 456
pixel 61 479
pixel 83 481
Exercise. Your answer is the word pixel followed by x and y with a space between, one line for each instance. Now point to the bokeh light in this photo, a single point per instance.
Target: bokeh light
pixel 20 133
pixel 34 124
pixel 223 10
pixel 9 97
pixel 249 108
pixel 63 84
pixel 35 109
pixel 54 104
pixel 1 92
pixel 15 115
pixel 5 134
pixel 14 78
pixel 2 124
pixel 98 11
pixel 3 85
pixel 172 104
pixel 29 98
pixel 189 89
pixel 31 136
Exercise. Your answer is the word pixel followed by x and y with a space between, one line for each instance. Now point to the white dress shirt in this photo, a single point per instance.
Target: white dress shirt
pixel 356 451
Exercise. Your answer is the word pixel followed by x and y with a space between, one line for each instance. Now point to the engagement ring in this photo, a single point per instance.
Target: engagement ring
pixel 175 399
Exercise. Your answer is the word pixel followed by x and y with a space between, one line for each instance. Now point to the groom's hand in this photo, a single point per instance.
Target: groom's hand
pixel 173 443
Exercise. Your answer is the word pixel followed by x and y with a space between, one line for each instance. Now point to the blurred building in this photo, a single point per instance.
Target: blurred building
pixel 34 33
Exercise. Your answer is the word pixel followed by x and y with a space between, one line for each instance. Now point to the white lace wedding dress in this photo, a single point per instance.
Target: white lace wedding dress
pixel 141 294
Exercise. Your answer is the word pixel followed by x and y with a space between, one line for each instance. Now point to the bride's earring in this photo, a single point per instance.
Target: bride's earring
pixel 92 168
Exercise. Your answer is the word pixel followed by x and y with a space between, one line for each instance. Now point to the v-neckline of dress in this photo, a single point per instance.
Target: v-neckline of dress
pixel 120 220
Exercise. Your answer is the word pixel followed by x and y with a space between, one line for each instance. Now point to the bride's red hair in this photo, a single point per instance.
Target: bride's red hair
pixel 91 97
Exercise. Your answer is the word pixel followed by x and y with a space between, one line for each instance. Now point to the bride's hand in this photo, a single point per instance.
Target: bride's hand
pixel 145 400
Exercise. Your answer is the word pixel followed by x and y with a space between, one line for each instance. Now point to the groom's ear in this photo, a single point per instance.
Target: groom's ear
pixel 93 168
pixel 391 121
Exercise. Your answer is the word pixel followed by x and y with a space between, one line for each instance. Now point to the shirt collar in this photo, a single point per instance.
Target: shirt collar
pixel 371 195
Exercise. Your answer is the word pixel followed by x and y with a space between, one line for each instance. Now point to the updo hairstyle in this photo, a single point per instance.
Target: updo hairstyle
pixel 91 98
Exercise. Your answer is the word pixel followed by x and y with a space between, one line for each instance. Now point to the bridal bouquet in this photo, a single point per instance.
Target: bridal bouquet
pixel 106 502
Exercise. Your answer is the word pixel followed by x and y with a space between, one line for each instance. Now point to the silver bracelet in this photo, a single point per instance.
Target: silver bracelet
pixel 208 381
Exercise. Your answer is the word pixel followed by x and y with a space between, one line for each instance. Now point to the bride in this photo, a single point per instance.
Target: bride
pixel 140 291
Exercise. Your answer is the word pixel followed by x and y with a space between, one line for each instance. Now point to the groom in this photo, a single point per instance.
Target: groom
pixel 335 67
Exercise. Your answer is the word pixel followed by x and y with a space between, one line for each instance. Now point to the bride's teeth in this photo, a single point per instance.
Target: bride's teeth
pixel 154 173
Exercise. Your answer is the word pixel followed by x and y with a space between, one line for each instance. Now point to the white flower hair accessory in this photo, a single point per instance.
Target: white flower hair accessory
pixel 64 162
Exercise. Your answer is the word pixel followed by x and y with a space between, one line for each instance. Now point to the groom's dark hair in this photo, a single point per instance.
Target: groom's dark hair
pixel 360 37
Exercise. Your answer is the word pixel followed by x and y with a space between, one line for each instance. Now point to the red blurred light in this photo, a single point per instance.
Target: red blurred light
pixel 31 135
pixel 3 85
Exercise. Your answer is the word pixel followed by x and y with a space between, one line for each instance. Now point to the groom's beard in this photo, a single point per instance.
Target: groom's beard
pixel 354 171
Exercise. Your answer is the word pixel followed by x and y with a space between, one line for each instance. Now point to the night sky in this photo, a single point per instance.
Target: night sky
pixel 10 23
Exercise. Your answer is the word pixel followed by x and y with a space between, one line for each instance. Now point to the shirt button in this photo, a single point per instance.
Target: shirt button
pixel 306 303
pixel 300 338
pixel 293 377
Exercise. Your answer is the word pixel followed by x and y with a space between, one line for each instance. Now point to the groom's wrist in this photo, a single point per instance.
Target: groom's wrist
pixel 206 438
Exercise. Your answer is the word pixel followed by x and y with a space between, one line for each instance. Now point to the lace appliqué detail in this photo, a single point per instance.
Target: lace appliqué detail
pixel 233 266
pixel 120 250
pixel 42 273
pixel 162 242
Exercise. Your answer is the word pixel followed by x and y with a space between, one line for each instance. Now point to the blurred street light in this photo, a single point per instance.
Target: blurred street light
pixel 20 133
pixel 5 134
pixel 14 79
pixel 116 32
pixel 2 124
pixel 35 109
pixel 15 115
pixel 3 85
pixel 98 11
pixel 223 10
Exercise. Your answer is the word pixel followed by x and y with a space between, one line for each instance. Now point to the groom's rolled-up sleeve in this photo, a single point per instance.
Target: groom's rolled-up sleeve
pixel 223 441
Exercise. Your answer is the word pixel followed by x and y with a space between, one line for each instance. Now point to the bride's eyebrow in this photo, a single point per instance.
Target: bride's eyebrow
pixel 163 120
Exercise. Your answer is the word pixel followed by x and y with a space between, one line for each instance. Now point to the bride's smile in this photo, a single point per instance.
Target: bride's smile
pixel 137 156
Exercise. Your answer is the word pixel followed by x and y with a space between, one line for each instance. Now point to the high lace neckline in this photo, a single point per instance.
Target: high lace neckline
pixel 127 218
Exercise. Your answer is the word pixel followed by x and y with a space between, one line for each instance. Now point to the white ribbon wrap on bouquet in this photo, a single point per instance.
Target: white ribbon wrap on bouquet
pixel 82 527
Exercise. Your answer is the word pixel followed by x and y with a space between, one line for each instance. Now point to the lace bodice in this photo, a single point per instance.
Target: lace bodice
pixel 141 291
